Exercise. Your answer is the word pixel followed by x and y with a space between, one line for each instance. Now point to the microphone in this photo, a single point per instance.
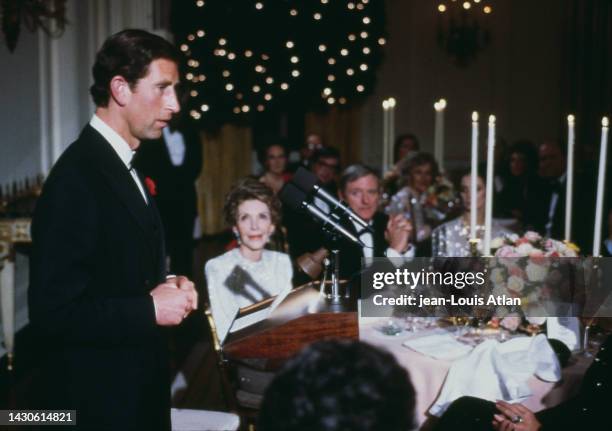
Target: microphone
pixel 307 181
pixel 296 199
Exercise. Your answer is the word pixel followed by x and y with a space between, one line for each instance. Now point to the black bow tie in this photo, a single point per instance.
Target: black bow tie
pixel 369 229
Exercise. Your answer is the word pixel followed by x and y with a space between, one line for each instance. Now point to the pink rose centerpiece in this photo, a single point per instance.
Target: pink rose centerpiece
pixel 529 267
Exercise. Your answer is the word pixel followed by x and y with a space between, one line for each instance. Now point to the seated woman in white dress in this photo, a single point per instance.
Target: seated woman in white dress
pixel 451 239
pixel 247 274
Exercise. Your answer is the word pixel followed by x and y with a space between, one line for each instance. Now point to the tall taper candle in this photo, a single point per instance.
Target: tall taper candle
pixel 489 189
pixel 385 156
pixel 439 106
pixel 601 183
pixel 474 176
pixel 392 103
pixel 569 181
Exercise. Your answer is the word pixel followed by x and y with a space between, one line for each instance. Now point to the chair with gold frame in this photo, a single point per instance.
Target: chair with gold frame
pixel 230 373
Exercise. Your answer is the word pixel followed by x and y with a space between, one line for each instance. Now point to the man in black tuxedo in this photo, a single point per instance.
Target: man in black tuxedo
pixel 304 235
pixel 173 163
pixel 98 293
pixel 546 200
pixel 360 187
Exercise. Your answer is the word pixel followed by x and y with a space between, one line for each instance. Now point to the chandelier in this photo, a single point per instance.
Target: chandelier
pixel 47 15
pixel 462 28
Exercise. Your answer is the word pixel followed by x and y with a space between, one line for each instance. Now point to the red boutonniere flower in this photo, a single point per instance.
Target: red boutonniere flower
pixel 151 186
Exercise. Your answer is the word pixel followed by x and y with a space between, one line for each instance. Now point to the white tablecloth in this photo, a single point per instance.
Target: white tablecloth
pixel 428 374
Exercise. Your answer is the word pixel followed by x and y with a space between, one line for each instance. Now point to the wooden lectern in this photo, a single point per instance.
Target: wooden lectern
pixel 302 318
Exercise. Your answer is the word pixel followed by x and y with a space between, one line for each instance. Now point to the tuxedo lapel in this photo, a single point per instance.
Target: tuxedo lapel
pixel 117 176
pixel 157 225
pixel 379 226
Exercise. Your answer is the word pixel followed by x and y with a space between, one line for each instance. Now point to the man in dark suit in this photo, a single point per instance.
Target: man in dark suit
pixel 173 163
pixel 360 187
pixel 304 235
pixel 98 293
pixel 546 200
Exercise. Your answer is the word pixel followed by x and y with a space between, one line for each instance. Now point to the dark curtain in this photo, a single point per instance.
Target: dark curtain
pixel 587 70
pixel 587 87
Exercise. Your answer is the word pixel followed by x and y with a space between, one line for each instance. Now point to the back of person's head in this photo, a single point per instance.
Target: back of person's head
pixel 339 385
pixel 128 54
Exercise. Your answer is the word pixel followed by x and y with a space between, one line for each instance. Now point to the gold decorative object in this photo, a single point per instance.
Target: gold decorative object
pixel 12 231
pixel 474 246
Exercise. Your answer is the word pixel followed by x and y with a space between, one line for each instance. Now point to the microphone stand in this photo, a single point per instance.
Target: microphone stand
pixel 335 285
pixel 335 300
pixel 333 230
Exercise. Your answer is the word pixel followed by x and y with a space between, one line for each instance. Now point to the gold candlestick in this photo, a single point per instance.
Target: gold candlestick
pixel 474 247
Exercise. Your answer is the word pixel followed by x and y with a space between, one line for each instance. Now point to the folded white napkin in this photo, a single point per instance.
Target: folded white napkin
pixel 438 345
pixel 502 371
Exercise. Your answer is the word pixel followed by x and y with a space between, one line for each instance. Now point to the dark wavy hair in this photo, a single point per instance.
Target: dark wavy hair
pixel 529 151
pixel 398 144
pixel 250 189
pixel 262 154
pixel 339 385
pixel 128 54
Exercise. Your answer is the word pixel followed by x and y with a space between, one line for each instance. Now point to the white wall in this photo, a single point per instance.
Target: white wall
pixel 19 113
pixel 44 84
pixel 517 77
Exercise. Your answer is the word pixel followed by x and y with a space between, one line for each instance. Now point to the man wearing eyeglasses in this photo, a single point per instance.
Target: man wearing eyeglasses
pixel 303 234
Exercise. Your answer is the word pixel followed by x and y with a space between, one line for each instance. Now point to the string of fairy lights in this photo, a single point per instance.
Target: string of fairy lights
pixel 244 57
pixel 466 5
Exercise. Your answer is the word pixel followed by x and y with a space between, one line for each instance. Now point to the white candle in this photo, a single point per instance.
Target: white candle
pixel 385 156
pixel 570 177
pixel 603 150
pixel 474 175
pixel 489 189
pixel 439 106
pixel 391 140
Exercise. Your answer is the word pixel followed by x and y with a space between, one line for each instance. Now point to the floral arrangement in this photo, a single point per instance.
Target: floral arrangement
pixel 529 267
pixel 532 245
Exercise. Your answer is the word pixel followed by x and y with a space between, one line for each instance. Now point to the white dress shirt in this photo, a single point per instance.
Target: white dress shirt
pixel 554 200
pixel 175 143
pixel 121 147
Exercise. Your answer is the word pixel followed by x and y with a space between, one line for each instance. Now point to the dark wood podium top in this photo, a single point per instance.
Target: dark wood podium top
pixel 301 319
